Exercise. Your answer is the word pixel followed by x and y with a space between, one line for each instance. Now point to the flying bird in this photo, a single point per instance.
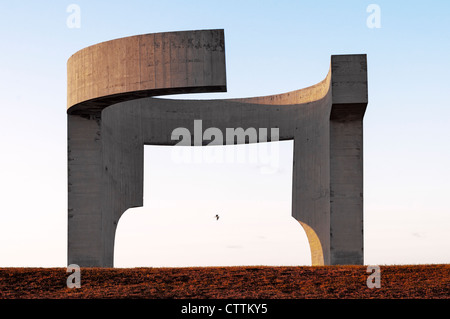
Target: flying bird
pixel 217 217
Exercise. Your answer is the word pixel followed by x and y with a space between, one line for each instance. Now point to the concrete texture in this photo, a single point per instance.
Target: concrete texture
pixel 145 65
pixel 112 115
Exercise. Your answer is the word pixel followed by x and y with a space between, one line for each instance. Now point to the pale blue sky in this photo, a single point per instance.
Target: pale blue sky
pixel 271 47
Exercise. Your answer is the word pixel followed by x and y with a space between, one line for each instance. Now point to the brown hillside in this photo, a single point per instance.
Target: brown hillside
pixel 259 282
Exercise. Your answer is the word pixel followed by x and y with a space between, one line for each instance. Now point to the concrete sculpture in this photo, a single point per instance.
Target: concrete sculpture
pixel 112 113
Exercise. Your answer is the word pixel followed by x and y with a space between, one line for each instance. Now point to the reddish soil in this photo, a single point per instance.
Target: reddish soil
pixel 259 282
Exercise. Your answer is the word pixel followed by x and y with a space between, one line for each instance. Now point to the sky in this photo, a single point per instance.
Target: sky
pixel 271 47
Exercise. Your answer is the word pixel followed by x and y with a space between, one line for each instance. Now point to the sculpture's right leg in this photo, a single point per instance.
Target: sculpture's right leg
pixel 311 180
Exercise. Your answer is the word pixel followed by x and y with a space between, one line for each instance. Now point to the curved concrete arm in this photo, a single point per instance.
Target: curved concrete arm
pixel 145 65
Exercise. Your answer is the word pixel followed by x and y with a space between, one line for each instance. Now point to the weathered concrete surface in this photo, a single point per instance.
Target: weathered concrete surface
pixel 107 73
pixel 145 65
pixel 325 121
pixel 349 96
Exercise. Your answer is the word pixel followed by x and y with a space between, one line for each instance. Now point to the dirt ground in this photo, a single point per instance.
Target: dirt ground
pixel 256 282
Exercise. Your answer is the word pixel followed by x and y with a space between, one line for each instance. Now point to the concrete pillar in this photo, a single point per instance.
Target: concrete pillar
pixel 85 232
pixel 311 179
pixel 349 93
pixel 328 166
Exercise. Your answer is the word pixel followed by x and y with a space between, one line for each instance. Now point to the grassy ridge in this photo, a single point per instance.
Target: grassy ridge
pixel 256 282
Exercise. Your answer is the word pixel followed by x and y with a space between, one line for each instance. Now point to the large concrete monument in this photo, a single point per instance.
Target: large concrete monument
pixel 112 113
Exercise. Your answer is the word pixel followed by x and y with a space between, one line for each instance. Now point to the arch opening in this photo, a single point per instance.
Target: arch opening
pixel 248 186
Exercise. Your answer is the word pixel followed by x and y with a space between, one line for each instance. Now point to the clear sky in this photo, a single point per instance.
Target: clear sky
pixel 271 47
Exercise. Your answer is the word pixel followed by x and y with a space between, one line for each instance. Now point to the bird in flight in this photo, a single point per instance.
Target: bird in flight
pixel 217 217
